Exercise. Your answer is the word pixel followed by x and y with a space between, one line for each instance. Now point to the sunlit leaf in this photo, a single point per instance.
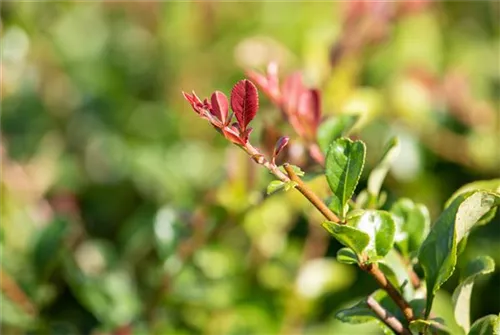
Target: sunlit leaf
pixel 486 185
pixel 295 169
pixel 412 225
pixel 347 256
pixel 244 102
pixel 487 325
pixel 348 236
pixel 462 295
pixel 344 164
pixel 438 253
pixel 275 186
pixel 379 226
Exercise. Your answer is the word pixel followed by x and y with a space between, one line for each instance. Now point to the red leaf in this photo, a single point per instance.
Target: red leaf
pixel 232 134
pixel 220 106
pixel 280 144
pixel 244 102
pixel 194 101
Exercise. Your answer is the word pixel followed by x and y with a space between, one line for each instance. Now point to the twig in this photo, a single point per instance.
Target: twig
pixel 414 278
pixel 311 196
pixel 390 320
pixel 382 281
pixel 372 269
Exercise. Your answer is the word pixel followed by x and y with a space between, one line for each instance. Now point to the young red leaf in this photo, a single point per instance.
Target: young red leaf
pixel 194 101
pixel 232 134
pixel 244 102
pixel 220 106
pixel 280 144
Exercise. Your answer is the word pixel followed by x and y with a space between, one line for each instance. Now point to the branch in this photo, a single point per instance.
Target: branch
pixel 311 196
pixel 382 281
pixel 390 320
pixel 372 269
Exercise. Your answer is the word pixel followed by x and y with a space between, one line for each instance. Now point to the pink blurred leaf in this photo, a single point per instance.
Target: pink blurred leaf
pixel 244 102
pixel 310 109
pixel 291 90
pixel 268 83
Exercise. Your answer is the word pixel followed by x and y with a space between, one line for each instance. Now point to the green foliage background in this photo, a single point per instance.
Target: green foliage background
pixel 122 212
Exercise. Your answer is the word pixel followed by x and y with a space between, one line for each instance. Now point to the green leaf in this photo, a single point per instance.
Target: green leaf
pixel 295 169
pixel 344 164
pixel 378 174
pixel 487 325
pixel 334 128
pixel 347 256
pixel 169 230
pixel 278 185
pixel 412 225
pixel 275 186
pixel 348 236
pixel 461 296
pixel 428 327
pixel 362 313
pixel 380 228
pixel 438 253
pixel 48 246
pixel 396 271
pixel 484 185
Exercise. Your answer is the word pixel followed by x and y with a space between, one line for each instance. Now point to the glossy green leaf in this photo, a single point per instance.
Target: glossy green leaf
pixel 347 256
pixel 380 228
pixel 348 236
pixel 412 225
pixel 344 164
pixel 461 296
pixel 487 325
pixel 378 174
pixel 334 128
pixel 438 253
pixel 485 185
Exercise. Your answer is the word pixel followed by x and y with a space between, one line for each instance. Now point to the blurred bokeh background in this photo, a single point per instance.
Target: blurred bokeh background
pixel 122 212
